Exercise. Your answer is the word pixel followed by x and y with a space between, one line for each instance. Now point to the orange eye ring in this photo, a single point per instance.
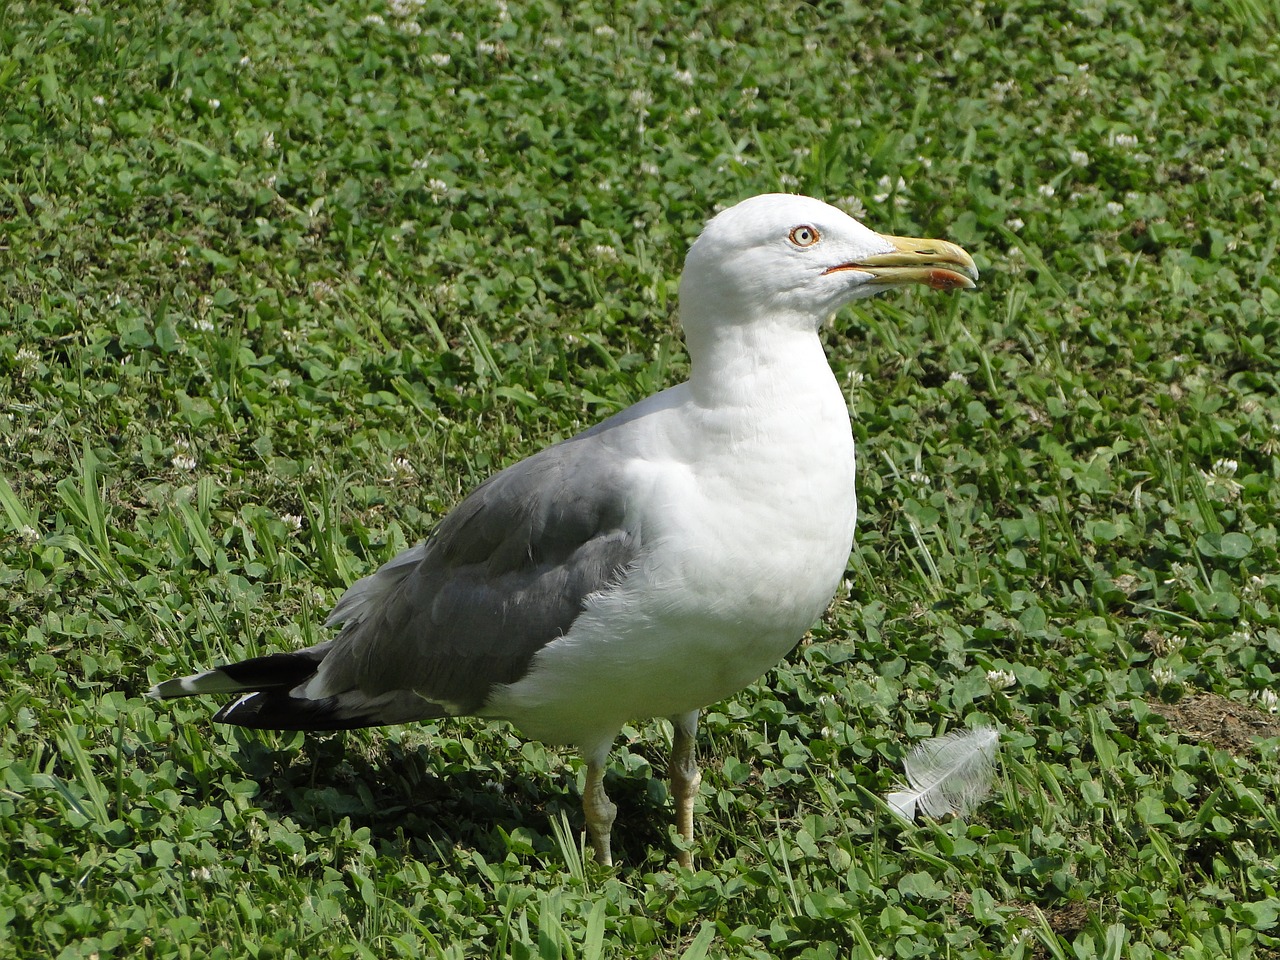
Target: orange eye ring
pixel 804 235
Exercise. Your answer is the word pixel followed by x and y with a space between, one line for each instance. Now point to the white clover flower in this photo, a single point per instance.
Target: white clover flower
pixel 99 100
pixel 29 534
pixel 602 251
pixel 1001 679
pixel 403 469
pixel 439 189
pixel 1220 479
pixel 1115 208
pixel 1015 224
pixel 1079 158
pixel 292 521
pixel 268 142
pixel 1268 702
pixel 886 186
pixel 320 289
pixel 202 324
pixel 1124 141
pixel 854 207
pixel 692 112
pixel 604 30
pixel 410 28
pixel 1224 467
pixel 1163 676
pixel 246 61
pixel 918 478
pixel 421 163
pixel 441 59
pixel 183 461
pixel 684 76
pixel 374 20
pixel 214 103
pixel 1046 190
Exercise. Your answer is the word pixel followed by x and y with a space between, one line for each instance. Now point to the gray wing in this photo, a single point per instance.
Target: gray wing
pixel 504 574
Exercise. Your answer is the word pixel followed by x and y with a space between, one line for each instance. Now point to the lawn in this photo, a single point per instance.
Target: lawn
pixel 279 282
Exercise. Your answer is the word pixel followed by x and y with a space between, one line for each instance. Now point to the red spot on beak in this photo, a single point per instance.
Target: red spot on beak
pixel 946 280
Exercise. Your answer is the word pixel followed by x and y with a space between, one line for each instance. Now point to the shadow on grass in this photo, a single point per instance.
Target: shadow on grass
pixel 418 803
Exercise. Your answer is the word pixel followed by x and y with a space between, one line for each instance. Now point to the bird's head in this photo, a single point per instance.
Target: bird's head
pixel 797 260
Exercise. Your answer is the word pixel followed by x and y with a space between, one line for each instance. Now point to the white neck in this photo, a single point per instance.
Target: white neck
pixel 756 363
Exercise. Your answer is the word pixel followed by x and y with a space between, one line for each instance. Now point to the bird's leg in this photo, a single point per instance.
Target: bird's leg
pixel 598 810
pixel 685 778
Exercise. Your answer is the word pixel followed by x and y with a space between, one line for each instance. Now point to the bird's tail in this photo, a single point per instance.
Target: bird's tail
pixel 272 696
pixel 266 685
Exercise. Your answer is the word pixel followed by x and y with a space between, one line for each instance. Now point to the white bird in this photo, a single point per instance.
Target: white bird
pixel 647 567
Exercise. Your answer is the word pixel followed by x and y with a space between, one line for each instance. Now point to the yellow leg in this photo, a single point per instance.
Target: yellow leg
pixel 685 778
pixel 599 812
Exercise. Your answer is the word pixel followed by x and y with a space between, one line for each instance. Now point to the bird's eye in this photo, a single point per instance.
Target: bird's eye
pixel 804 236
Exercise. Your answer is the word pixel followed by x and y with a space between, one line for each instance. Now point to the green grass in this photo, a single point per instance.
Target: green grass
pixel 279 283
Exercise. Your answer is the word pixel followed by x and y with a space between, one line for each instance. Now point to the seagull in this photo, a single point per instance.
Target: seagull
pixel 649 566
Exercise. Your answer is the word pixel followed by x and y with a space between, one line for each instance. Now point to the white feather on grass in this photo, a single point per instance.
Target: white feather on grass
pixel 948 774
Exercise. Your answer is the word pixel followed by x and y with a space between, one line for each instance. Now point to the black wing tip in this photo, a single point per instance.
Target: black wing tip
pixel 277 710
pixel 275 670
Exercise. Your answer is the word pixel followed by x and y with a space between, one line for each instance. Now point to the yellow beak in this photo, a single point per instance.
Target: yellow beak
pixel 939 264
